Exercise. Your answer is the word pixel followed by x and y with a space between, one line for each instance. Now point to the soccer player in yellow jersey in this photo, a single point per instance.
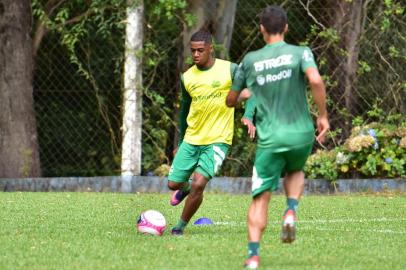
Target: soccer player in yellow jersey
pixel 206 126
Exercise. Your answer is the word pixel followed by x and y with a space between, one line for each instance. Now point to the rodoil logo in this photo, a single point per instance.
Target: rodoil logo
pixel 284 74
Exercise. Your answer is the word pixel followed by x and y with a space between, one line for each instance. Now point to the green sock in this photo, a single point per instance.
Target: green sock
pixel 292 204
pixel 181 224
pixel 253 249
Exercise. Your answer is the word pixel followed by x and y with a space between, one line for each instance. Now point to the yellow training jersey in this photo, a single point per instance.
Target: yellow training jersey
pixel 209 119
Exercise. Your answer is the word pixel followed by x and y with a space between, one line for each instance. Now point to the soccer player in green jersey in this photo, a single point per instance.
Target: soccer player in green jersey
pixel 275 76
pixel 206 126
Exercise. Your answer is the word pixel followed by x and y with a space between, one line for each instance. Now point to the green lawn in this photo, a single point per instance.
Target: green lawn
pixel 97 231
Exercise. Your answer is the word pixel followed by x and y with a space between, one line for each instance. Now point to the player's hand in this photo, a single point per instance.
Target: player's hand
pixel 322 127
pixel 250 126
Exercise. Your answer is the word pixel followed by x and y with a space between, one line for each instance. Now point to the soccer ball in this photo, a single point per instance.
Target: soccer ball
pixel 151 222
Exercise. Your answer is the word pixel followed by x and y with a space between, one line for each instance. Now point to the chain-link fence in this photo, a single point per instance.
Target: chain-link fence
pixel 78 107
pixel 360 48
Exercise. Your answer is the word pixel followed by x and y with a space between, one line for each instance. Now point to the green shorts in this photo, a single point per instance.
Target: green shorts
pixel 203 159
pixel 270 166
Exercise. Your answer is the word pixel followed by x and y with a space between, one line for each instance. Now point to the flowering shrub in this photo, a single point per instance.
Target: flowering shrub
pixel 322 164
pixel 372 150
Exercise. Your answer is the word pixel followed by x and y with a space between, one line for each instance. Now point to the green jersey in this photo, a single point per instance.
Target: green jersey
pixel 275 76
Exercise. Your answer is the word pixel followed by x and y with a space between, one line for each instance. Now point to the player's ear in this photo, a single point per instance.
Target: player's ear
pixel 286 29
pixel 262 29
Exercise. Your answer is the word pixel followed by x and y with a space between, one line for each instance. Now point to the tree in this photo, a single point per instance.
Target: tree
pixel 217 16
pixel 132 98
pixel 338 39
pixel 19 156
pixel 52 18
pixel 347 19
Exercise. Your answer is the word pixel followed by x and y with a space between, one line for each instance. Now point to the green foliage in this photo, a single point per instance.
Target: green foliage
pixel 391 8
pixel 162 170
pixel 373 150
pixel 84 29
pixel 164 18
pixel 330 34
pixel 83 106
pixel 322 165
pixel 84 55
pixel 363 67
pixel 394 52
pixel 172 11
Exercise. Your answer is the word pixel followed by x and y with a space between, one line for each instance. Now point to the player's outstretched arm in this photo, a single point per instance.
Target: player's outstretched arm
pixel 319 96
pixel 234 97
pixel 244 95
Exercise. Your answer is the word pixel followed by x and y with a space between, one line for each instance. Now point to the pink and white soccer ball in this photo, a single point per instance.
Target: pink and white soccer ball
pixel 151 222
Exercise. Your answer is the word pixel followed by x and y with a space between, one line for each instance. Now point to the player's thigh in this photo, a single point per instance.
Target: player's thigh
pixel 211 158
pixel 184 163
pixel 296 158
pixel 267 171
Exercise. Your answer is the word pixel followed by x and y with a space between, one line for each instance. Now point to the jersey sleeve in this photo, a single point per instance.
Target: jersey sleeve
pixel 185 102
pixel 233 70
pixel 249 111
pixel 307 60
pixel 239 82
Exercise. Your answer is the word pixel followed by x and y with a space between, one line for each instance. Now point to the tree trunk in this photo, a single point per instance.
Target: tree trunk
pixel 217 16
pixel 19 156
pixel 225 24
pixel 132 103
pixel 347 20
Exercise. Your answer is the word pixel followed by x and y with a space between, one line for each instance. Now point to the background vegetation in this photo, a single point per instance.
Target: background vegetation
pixel 79 74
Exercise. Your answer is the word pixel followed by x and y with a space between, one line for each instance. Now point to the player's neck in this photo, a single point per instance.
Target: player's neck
pixel 208 64
pixel 271 39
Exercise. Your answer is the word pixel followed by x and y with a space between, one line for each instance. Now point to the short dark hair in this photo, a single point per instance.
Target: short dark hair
pixel 274 19
pixel 202 35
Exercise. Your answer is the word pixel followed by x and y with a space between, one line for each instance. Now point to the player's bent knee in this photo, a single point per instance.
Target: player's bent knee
pixel 198 187
pixel 174 185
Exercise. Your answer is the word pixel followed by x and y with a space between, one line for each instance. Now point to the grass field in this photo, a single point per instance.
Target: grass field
pixel 97 231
